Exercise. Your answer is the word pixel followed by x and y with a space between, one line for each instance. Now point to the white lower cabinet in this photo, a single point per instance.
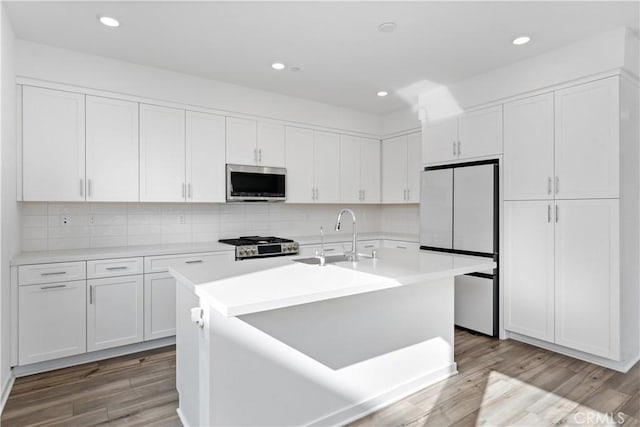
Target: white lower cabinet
pixel 114 312
pixel 400 244
pixel 51 321
pixel 562 267
pixel 159 306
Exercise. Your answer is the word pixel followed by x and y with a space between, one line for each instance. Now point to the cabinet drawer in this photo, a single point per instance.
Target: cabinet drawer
pixel 51 273
pixel 398 244
pixel 160 264
pixel 114 267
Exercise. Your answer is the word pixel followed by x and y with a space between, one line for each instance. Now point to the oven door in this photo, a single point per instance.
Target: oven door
pixel 255 184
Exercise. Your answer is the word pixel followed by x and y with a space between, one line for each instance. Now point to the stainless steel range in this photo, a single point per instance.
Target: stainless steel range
pixel 261 247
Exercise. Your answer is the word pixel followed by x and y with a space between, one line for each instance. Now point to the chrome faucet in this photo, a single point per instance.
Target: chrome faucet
pixel 353 255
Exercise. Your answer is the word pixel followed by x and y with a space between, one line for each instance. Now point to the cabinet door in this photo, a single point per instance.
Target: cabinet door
pixel 114 312
pixel 51 321
pixel 241 143
pixel 112 145
pixel 394 170
pixel 326 152
pixel 587 140
pixel 439 140
pixel 587 269
pixel 53 148
pixel 413 167
pixel 205 151
pixel 528 148
pixel 528 260
pixel 162 154
pixel 270 145
pixel 480 133
pixel 299 161
pixel 350 169
pixel 370 170
pixel 159 306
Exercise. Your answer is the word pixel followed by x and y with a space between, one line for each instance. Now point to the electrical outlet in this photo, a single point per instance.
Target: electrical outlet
pixel 92 219
pixel 65 220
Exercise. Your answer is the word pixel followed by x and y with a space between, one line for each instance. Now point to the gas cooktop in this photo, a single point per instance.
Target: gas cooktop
pixel 260 246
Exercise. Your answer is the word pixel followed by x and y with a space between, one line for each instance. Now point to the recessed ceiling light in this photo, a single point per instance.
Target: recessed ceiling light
pixel 278 66
pixel 382 93
pixel 109 21
pixel 518 41
pixel 387 27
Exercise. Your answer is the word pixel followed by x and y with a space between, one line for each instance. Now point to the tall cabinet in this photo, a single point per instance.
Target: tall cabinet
pixel 565 279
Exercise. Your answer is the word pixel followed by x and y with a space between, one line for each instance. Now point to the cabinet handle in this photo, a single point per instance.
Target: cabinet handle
pixel 117 268
pixel 81 187
pixel 183 190
pixel 90 294
pixel 408 194
pixel 549 185
pixel 454 148
pixel 459 152
pixel 259 155
pixel 329 249
pixel 189 190
pixel 369 246
pixel 55 273
pixel 89 188
pixel 53 287
pixel 195 261
pixel 313 193
pixel 400 247
pixel 557 184
pixel 364 195
pixel 317 193
pixel 557 213
pixel 255 155
pixel 548 213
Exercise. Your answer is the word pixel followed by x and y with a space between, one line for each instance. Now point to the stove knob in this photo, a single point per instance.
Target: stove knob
pixel 254 251
pixel 243 252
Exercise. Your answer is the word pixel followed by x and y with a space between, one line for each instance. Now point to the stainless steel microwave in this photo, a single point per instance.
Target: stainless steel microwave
pixel 256 184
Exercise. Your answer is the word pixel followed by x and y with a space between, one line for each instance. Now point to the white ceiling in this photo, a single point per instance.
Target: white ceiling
pixel 344 60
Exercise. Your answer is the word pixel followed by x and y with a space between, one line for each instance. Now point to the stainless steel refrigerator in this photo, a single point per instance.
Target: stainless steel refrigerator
pixel 459 214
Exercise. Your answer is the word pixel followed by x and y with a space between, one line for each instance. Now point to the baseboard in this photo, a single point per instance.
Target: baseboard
pixel 183 420
pixel 363 408
pixel 620 366
pixel 6 390
pixel 65 362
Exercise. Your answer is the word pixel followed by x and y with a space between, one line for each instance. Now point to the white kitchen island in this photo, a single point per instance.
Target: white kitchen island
pixel 282 343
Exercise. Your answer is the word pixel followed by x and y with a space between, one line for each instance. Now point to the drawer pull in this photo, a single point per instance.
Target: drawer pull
pixel 53 287
pixel 55 273
pixel 117 268
pixel 195 261
pixel 329 249
pixel 369 246
pixel 401 247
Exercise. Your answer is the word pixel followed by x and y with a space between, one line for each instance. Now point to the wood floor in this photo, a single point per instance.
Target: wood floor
pixel 501 383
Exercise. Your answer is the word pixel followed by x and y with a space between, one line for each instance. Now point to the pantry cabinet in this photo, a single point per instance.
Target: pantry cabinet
pixel 111 145
pixel 51 321
pixel 162 154
pixel 205 158
pixel 250 142
pixel 114 312
pixel 359 169
pixel 401 169
pixel 476 133
pixel 53 145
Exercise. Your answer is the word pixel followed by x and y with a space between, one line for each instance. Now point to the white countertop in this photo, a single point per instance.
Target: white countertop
pixel 261 285
pixel 42 257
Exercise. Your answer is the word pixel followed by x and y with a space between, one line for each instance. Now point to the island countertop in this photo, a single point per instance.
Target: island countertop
pixel 237 288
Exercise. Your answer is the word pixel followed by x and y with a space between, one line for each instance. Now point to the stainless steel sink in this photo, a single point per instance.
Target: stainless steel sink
pixel 329 259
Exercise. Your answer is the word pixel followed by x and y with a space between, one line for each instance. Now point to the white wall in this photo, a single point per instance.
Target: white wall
pixel 65 66
pixel 604 52
pixel 9 209
pixel 399 121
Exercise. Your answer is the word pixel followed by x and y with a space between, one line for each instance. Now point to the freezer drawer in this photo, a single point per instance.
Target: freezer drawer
pixel 474 303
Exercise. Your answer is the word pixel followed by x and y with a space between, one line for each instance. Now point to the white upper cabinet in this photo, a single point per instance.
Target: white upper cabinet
pixel 241 141
pixel 587 131
pixel 255 143
pixel 270 144
pixel 326 152
pixel 587 270
pixel 53 145
pixel 476 133
pixel 112 145
pixel 350 169
pixel 370 170
pixel 480 133
pixel 394 170
pixel 205 157
pixel 300 165
pixel 162 154
pixel 528 148
pixel 401 169
pixel 439 140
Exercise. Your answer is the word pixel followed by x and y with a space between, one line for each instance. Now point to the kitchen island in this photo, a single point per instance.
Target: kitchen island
pixel 277 342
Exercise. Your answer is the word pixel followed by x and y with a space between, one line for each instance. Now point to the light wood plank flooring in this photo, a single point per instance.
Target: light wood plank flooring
pixel 501 383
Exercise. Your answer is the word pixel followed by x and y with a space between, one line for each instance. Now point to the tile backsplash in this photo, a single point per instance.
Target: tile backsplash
pixel 51 226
